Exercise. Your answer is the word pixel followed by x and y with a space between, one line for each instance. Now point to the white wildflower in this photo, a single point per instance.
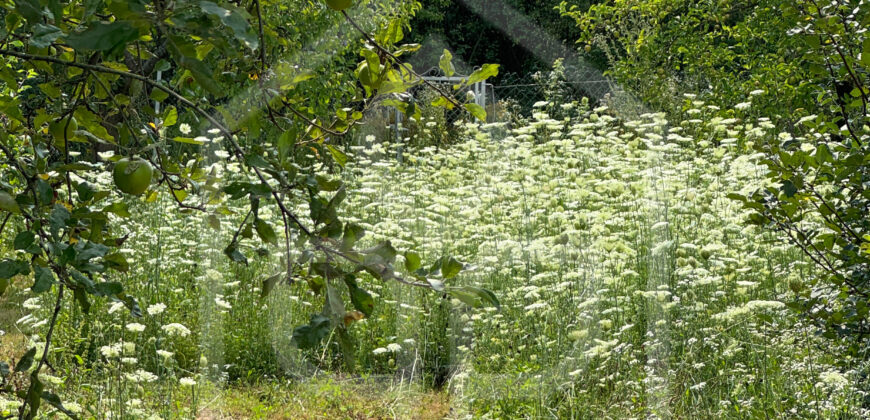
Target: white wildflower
pixel 135 327
pixel 176 329
pixel 156 309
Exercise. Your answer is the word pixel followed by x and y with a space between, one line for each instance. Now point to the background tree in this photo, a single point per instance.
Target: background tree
pixel 796 75
pixel 475 40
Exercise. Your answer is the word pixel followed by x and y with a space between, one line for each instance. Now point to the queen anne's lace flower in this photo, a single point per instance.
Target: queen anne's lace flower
pixel 156 309
pixel 176 329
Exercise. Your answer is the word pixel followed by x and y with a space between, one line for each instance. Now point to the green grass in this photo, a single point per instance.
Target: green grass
pixel 327 399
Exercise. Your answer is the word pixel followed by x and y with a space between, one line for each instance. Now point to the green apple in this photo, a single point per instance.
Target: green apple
pixel 367 76
pixel 56 128
pixel 133 176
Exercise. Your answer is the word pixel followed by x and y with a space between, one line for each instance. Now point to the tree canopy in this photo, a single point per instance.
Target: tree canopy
pixel 92 88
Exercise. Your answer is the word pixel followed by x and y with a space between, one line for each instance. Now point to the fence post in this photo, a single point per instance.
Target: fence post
pixel 398 135
pixel 483 94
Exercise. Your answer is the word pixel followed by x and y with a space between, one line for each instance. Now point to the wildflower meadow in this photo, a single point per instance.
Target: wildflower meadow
pixel 276 210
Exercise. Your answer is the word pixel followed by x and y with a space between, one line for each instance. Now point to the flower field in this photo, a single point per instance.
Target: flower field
pixel 630 286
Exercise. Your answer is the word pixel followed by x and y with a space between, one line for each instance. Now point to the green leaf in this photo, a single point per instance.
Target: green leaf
pixel 333 205
pixel 83 280
pixel 736 197
pixel 55 402
pixel 269 284
pixel 326 270
pixel 180 195
pixel 44 35
pixel 446 64
pixel 30 10
pixel 450 267
pixel 86 251
pixel 11 268
pixel 393 34
pixel 865 53
pixel 334 305
pixel 50 89
pixel 102 36
pixel 339 156
pixel 303 76
pixel 485 72
pixel 43 279
pixel 823 154
pixel 44 192
pixel 474 296
pixel 383 253
pixel 360 298
pixel 170 116
pixel 233 20
pixel 26 361
pixel 34 395
pixel 352 234
pixel 203 75
pixel 325 183
pixel 443 103
pixel 436 285
pixel 118 208
pixel 248 231
pixel 23 240
pixel 108 289
pixel 257 161
pixel 85 190
pixel 232 251
pixel 187 140
pixel 265 231
pixel 237 190
pixel 117 261
pixel 407 48
pixel 131 305
pixel 158 95
pixel 309 336
pixel 412 261
pixel 789 189
pixel 213 222
pixel 82 299
pixel 477 111
pixel 8 203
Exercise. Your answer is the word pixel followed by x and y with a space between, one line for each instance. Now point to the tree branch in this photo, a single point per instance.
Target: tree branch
pixel 240 154
pixel 399 62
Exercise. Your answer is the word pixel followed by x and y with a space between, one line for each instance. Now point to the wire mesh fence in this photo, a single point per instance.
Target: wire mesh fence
pixel 527 90
pixel 507 98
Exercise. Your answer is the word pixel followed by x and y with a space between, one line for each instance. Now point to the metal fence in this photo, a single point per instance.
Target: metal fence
pixel 526 90
pixel 505 98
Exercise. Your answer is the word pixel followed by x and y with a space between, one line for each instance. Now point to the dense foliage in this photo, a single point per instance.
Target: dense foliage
pixel 660 50
pixel 496 36
pixel 806 66
pixel 126 87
